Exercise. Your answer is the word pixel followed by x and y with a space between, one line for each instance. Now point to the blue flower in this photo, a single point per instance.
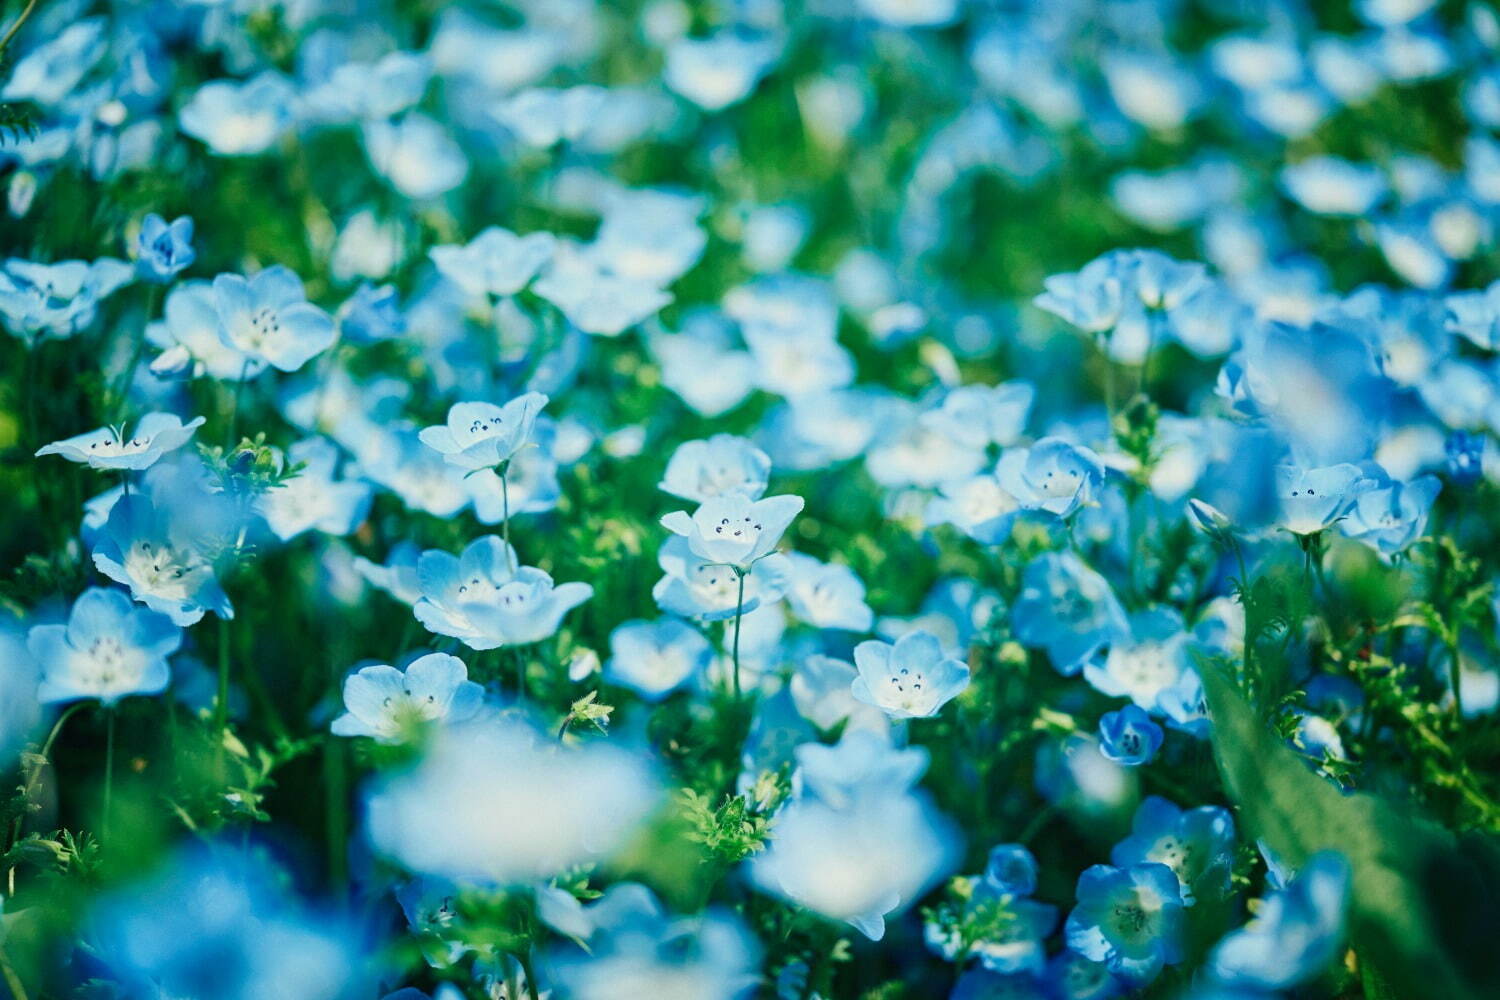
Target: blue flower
pixel 1148 659
pixel 1390 515
pixel 1067 609
pixel 654 659
pixel 416 155
pixel 1129 736
pixel 544 116
pixel 698 588
pixel 240 119
pixel 978 506
pixel 109 649
pixel 821 688
pixel 148 552
pixel 1072 976
pixel 720 70
pixel 56 299
pixel 1011 870
pixel 827 595
pixel 980 415
pixel 910 679
pixel 483 435
pixel 650 235
pixel 1052 475
pixel 595 299
pixel 188 336
pixel 1327 185
pixel 108 448
pixel 701 366
pixel 1312 500
pixel 389 704
pixel 1128 918
pixel 1196 844
pixel 371 314
pixel 860 762
pixel 734 530
pixel 496 262
pixel 485 599
pixel 315 499
pixel 1128 294
pixel 397 576
pixel 163 250
pixel 1297 933
pixel 1465 454
pixel 267 317
pixel 723 464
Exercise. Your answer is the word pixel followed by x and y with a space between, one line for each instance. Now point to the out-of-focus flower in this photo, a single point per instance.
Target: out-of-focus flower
pixel 109 649
pixel 165 569
pixel 1295 935
pixel 389 704
pixel 486 599
pixel 720 465
pixel 163 250
pixel 240 119
pixel 1067 609
pixel 656 658
pixel 827 595
pixel 496 262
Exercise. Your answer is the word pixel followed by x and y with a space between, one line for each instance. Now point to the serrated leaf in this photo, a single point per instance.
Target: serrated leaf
pixel 1425 908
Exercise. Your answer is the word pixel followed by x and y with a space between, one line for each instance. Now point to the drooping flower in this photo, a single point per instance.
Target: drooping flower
pixel 1052 476
pixel 385 703
pixel 109 649
pixel 109 448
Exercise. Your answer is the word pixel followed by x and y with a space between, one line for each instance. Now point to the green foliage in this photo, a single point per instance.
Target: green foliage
pixel 739 825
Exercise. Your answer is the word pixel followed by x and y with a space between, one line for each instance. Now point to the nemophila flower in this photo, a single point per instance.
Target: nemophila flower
pixel 912 13
pixel 499 803
pixel 717 466
pixel 163 250
pixel 416 155
pixel 486 599
pixel 109 649
pixel 1128 918
pixel 701 366
pixel 978 506
pixel 58 299
pixel 1125 295
pixel 654 659
pixel 822 690
pixel 1312 500
pixel 827 595
pixel 188 336
pixel 155 435
pixel 910 679
pixel 861 761
pixel 496 262
pixel 650 234
pixel 1010 870
pixel 1196 844
pixel 397 576
pixel 1052 475
pixel 1071 976
pixel 348 90
pixel 267 317
pixel 862 864
pixel 394 456
pixel 544 116
pixel 314 499
pixel 695 587
pixel 1475 316
pixel 1296 934
pixel 152 554
pixel 720 70
pixel 1148 658
pixel 221 925
pixel 1389 515
pixel 1067 609
pixel 734 530
pixel 791 363
pixel 483 435
pixel 389 704
pixel 372 314
pixel 635 948
pixel 1129 737
pixel 1328 185
pixel 595 299
pixel 1073 774
pixel 980 415
pixel 53 67
pixel 240 119
pixel 955 610
pixel 1465 455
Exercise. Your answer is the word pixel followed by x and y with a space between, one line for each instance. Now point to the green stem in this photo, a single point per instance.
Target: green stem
pixel 739 613
pixel 12 980
pixel 520 654
pixel 31 781
pixel 17 26
pixel 504 470
pixel 1455 678
pixel 234 406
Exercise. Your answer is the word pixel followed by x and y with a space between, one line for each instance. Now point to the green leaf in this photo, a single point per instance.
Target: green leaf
pixel 1425 907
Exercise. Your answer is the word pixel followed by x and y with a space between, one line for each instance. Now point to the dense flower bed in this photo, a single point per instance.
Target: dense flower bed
pixel 698 499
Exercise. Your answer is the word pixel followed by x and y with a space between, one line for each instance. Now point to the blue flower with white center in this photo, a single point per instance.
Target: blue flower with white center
pixel 1465 455
pixel 1312 500
pixel 163 250
pixel 1128 295
pixel 389 704
pixel 650 235
pixel 165 570
pixel 1328 185
pixel 702 366
pixel 240 119
pixel 821 688
pixel 720 70
pixel 1297 933
pixel 694 587
pixel 542 117
pixel 656 658
pixel 373 313
pixel 720 465
pixel 397 576
pixel 978 506
pixel 483 435
pixel 1052 475
pixel 54 66
pixel 1129 736
pixel 860 864
pixel 791 363
pixel 594 298
pixel 1389 515
pixel 910 679
pixel 1128 918
pixel 188 336
pixel 109 649
pixel 1011 870
pixel 1067 609
pixel 393 455
pixel 1071 976
pixel 486 599
pixel 267 317
pixel 980 415
pixel 1475 316
pixel 734 530
pixel 1145 661
pixel 1196 844
pixel 155 435
pixel 827 595
pixel 315 499
pixel 859 762
pixel 416 155
pixel 497 262
pixel 57 299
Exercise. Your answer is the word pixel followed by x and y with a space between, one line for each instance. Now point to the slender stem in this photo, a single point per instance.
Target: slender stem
pixel 1455 678
pixel 31 781
pixel 12 980
pixel 529 973
pixel 17 26
pixel 739 613
pixel 109 767
pixel 510 557
pixel 520 653
pixel 121 391
pixel 221 700
pixel 234 407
